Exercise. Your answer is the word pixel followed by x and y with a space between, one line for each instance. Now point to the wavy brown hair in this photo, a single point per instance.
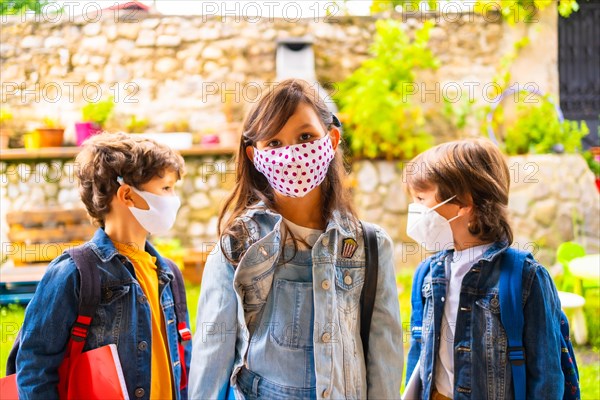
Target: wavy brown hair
pixel 472 170
pixel 268 116
pixel 109 155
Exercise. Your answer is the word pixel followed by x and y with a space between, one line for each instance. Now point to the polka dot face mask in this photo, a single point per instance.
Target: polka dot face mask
pixel 295 170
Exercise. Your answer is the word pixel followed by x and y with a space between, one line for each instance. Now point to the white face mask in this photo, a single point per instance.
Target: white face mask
pixel 428 228
pixel 160 216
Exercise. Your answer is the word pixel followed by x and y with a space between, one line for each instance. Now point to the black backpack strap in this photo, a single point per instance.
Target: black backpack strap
pixel 89 291
pixel 178 289
pixel 367 296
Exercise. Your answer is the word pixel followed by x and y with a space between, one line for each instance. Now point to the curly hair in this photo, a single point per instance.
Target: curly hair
pixel 473 170
pixel 107 156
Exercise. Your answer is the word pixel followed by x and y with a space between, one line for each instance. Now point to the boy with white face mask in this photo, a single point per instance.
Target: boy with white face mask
pixel 459 345
pixel 127 185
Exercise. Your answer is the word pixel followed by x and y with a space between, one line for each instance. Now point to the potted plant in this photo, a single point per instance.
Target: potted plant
pixel 94 116
pixel 592 156
pixel 50 133
pixel 6 130
pixel 136 124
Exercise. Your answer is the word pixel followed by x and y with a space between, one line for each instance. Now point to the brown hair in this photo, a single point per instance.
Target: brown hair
pixel 470 169
pixel 268 116
pixel 109 155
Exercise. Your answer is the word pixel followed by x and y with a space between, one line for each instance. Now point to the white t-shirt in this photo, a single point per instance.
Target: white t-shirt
pixel 457 267
pixel 309 235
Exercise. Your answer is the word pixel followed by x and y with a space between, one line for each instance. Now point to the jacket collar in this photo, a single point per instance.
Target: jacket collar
pixel 494 251
pixel 103 247
pixel 489 256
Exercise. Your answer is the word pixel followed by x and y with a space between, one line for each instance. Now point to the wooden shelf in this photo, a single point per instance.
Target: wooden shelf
pixel 71 152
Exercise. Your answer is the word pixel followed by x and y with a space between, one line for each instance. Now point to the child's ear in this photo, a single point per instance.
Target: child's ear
pixel 334 134
pixel 250 152
pixel 124 195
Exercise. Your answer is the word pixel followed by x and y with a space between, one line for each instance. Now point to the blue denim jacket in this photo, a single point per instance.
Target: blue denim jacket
pixel 481 366
pixel 122 318
pixel 232 299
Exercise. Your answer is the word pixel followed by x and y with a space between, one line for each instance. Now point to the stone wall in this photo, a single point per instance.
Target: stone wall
pixel 173 68
pixel 34 184
pixel 553 199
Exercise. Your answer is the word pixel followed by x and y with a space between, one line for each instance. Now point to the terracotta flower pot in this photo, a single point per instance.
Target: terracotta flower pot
pixel 51 137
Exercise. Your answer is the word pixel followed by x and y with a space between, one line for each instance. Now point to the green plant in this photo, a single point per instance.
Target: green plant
pixel 136 125
pixel 538 130
pixel 51 123
pixel 98 112
pixel 511 10
pixel 181 125
pixel 592 163
pixel 13 7
pixel 5 116
pixel 382 120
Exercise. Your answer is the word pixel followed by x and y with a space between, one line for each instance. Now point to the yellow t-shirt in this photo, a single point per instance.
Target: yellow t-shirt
pixel 145 270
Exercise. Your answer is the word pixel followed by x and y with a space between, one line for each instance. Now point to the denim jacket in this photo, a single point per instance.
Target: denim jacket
pixel 122 318
pixel 232 299
pixel 481 366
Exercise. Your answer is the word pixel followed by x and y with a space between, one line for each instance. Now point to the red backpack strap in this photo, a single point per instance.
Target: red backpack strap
pixel 89 296
pixel 185 334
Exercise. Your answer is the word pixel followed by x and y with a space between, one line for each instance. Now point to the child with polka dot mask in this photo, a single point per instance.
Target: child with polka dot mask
pixel 281 293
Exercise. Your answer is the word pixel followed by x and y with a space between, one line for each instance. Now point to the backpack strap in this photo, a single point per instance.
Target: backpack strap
pixel 511 315
pixel 185 334
pixel 89 296
pixel 367 296
pixel 416 320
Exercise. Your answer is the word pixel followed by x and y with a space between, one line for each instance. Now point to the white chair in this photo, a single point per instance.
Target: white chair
pixel 572 304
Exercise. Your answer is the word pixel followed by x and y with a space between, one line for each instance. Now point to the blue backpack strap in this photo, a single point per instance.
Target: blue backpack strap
pixel 416 299
pixel 511 314
pixel 416 319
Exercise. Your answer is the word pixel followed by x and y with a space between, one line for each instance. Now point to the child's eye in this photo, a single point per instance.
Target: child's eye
pixel 306 136
pixel 166 188
pixel 274 143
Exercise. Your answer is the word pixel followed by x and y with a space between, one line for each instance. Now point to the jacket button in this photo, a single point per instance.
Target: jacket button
pixel 325 242
pixel 326 284
pixel 143 345
pixel 139 392
pixel 348 280
pixel 494 302
pixel 326 393
pixel 263 251
pixel 141 299
pixel 326 337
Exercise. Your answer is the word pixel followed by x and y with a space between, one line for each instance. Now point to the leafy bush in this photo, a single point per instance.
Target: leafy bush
pixel 538 130
pixel 98 112
pixel 381 118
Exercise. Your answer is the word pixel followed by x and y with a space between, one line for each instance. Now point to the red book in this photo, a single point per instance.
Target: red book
pixel 95 374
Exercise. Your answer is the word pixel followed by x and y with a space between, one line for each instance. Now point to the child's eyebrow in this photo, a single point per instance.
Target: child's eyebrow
pixel 304 126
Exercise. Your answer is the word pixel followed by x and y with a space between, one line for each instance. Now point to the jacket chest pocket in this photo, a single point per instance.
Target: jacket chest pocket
pixel 488 322
pixel 348 284
pixel 109 315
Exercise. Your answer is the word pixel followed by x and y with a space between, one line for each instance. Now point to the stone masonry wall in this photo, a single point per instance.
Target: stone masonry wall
pixel 173 68
pixel 553 199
